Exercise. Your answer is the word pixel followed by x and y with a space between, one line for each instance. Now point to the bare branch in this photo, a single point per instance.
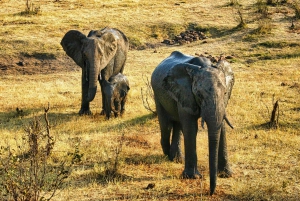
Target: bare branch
pixel 148 97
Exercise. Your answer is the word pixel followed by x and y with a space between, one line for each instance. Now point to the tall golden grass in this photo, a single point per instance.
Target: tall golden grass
pixel 265 161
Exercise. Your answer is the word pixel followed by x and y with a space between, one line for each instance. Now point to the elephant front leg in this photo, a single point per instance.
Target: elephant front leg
pixel 122 105
pixel 224 170
pixel 117 105
pixel 85 104
pixel 190 128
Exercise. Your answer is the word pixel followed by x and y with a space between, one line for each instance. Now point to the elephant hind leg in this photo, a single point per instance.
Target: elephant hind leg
pixel 165 128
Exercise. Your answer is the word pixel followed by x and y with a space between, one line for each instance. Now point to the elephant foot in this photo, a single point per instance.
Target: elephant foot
pixel 116 114
pixel 103 112
pixel 84 112
pixel 176 156
pixel 225 173
pixel 191 174
pixel 122 112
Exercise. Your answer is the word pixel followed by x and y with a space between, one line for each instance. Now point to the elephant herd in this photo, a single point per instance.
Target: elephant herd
pixel 185 89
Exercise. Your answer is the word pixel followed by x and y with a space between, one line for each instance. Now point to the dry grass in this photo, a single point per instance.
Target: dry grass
pixel 265 161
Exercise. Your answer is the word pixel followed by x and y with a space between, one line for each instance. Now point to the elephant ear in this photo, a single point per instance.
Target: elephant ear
pixel 108 48
pixel 72 43
pixel 178 84
pixel 224 66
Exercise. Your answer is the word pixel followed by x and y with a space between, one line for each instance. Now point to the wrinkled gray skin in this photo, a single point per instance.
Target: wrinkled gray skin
pixel 115 90
pixel 101 54
pixel 185 89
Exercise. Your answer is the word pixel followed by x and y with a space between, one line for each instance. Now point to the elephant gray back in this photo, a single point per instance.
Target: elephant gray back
pixel 170 78
pixel 177 57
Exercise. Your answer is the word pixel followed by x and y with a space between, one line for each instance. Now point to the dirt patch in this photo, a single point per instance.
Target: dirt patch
pixel 35 64
pixel 186 37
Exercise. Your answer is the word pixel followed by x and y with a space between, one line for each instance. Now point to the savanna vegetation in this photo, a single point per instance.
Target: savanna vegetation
pixel 121 159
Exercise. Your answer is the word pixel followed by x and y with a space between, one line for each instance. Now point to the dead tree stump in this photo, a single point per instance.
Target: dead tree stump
pixel 274 118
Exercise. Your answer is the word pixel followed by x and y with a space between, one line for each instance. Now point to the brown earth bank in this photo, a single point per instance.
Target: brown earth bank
pixel 30 65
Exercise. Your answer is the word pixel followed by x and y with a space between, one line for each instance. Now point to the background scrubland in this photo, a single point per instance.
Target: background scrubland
pixel 265 54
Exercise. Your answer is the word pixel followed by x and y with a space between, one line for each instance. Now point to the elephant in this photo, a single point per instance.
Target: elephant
pixel 115 90
pixel 101 54
pixel 187 88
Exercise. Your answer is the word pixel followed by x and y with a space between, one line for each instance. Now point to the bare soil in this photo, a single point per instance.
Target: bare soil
pixel 36 64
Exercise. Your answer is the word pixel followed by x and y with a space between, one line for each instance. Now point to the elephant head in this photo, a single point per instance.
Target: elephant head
pixel 92 53
pixel 203 91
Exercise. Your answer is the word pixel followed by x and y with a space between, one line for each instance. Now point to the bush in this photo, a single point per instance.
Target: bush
pixel 31 9
pixel 264 27
pixel 26 172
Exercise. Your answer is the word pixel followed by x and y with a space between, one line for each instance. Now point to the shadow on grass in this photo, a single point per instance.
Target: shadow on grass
pixel 39 55
pixel 280 56
pixel 17 119
pixel 137 159
pixel 262 194
pixel 281 125
pixel 218 32
pixel 110 175
pixel 140 120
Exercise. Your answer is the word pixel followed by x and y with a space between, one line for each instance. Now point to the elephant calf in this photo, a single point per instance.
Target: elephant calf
pixel 115 90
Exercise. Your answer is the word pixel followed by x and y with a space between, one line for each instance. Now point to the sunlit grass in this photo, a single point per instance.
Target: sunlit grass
pixel 265 161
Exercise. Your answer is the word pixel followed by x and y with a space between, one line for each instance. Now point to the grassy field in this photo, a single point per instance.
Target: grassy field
pixel 36 71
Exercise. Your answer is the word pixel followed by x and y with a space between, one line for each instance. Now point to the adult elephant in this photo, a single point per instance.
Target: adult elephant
pixel 101 54
pixel 185 89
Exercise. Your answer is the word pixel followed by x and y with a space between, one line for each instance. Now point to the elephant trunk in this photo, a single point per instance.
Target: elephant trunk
pixel 214 137
pixel 93 77
pixel 214 117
